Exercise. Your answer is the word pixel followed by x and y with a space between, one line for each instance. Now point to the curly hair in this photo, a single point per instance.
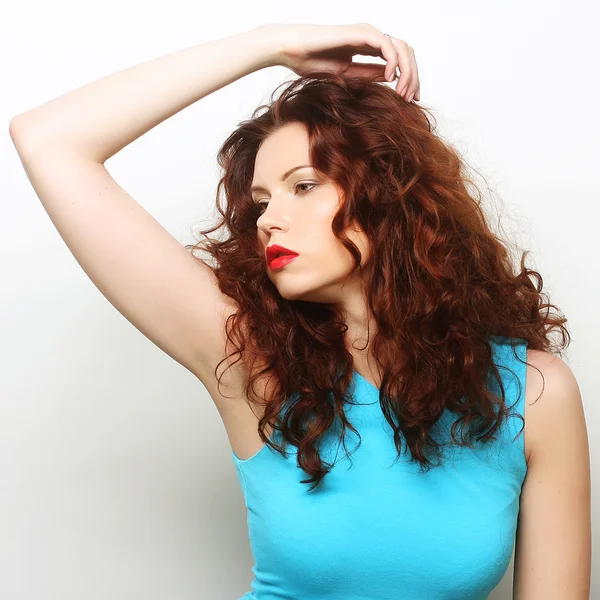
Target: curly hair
pixel 441 284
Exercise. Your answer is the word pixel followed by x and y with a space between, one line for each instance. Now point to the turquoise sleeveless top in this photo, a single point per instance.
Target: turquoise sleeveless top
pixel 383 531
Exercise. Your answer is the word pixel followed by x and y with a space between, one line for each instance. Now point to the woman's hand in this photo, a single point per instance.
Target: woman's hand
pixel 330 48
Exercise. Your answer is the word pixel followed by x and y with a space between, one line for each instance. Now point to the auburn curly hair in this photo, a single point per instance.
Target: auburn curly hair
pixel 440 283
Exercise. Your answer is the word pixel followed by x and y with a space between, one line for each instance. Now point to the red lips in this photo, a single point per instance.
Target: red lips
pixel 275 251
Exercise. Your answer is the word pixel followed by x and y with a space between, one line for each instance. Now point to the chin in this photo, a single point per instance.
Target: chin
pixel 289 293
pixel 306 293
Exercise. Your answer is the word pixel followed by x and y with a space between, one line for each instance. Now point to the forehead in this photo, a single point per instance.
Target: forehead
pixel 281 150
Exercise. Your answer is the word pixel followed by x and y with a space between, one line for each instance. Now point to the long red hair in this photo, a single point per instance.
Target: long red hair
pixel 441 283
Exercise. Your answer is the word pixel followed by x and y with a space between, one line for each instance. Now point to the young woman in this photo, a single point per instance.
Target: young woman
pixel 367 301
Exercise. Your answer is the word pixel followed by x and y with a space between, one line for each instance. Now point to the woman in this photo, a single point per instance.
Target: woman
pixel 364 294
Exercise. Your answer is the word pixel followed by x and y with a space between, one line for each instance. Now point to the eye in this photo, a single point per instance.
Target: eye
pixel 257 205
pixel 306 183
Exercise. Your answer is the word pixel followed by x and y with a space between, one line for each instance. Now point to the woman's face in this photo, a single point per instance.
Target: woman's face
pixel 297 214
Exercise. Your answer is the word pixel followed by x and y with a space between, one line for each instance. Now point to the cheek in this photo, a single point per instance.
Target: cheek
pixel 335 261
pixel 336 258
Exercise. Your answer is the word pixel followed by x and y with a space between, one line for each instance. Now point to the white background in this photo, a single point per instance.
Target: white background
pixel 116 479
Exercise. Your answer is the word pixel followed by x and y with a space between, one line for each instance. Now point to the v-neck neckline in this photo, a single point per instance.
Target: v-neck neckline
pixel 366 381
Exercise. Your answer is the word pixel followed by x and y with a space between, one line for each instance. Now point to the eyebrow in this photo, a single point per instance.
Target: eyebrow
pixel 258 188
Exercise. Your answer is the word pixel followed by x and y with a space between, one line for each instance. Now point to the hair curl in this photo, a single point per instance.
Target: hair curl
pixel 441 283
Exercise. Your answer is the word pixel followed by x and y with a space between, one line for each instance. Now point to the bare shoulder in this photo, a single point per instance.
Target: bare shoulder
pixel 551 391
pixel 553 541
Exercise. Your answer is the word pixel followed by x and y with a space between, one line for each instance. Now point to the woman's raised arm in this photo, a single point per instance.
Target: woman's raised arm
pixel 144 272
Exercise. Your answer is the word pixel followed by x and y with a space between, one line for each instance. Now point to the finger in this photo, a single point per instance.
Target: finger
pixel 411 91
pixel 406 64
pixel 378 45
pixel 390 54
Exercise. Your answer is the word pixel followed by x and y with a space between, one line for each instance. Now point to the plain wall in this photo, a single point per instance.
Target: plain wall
pixel 116 479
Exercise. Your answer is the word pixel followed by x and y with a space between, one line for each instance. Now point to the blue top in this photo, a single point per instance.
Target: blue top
pixel 383 531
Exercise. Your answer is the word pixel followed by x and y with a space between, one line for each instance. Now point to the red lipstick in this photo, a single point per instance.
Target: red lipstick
pixel 278 256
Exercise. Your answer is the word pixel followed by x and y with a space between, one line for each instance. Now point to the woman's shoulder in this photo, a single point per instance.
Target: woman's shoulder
pixel 551 391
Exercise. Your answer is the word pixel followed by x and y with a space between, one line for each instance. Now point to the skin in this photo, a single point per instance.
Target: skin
pixel 299 217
